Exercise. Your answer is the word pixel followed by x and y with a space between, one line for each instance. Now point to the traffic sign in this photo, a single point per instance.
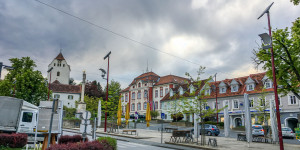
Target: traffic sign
pixel 162 115
pixel 86 115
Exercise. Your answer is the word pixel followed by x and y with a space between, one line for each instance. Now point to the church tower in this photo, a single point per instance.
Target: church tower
pixel 61 70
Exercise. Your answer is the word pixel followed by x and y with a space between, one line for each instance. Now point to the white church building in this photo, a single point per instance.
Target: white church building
pixel 59 78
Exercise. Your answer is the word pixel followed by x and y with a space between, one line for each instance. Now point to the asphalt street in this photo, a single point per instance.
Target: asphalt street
pixel 232 133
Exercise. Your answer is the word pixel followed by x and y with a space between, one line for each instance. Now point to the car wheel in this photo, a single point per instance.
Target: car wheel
pixel 209 133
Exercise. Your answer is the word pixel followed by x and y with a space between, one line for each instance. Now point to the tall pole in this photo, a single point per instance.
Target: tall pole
pixel 107 56
pixel 216 98
pixel 275 87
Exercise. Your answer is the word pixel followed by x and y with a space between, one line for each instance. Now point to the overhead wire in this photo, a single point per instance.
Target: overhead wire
pixel 128 38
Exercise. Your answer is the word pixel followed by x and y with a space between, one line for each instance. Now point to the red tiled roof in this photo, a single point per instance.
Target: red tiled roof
pixel 171 79
pixel 242 87
pixel 149 76
pixel 64 88
pixel 60 57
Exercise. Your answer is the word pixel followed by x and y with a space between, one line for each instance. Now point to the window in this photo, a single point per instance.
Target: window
pixel 27 117
pixel 63 65
pixel 59 63
pixel 251 103
pixel 223 90
pixel 205 106
pixel 161 92
pixel 234 88
pixel 122 98
pixel 279 100
pixel 262 102
pixel 133 95
pixel 126 98
pixel 139 106
pixel 70 96
pixel 268 84
pixel 166 91
pixel 160 105
pixel 207 92
pixel 57 96
pixel 235 104
pixel 250 87
pixel 292 100
pixel 139 94
pixel 145 105
pixel 132 107
pixel 145 84
pixel 133 87
pixel 58 73
pixel 156 93
pixel 139 84
pixel 145 94
pixel 54 64
pixel 156 105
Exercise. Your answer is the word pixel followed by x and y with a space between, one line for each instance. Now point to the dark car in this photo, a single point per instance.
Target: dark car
pixel 208 129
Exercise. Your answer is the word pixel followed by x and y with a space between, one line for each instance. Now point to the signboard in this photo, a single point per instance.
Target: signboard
pixel 86 115
pixel 162 115
pixel 88 128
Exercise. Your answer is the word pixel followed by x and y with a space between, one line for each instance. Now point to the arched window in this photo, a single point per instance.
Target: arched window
pixel 139 106
pixel 54 64
pixel 145 105
pixel 133 95
pixel 63 65
pixel 139 84
pixel 58 73
pixel 132 107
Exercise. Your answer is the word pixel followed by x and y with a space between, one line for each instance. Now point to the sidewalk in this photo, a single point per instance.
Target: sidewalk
pixel 223 143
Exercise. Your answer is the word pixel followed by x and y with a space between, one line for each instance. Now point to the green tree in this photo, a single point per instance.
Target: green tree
pixel 286 45
pixel 296 2
pixel 154 113
pixel 111 106
pixel 24 82
pixel 92 103
pixel 94 89
pixel 261 106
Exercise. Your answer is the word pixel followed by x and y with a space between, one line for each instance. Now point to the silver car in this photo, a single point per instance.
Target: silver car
pixel 257 130
pixel 288 132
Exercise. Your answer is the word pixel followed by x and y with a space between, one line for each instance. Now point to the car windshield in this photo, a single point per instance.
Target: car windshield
pixel 286 129
pixel 213 126
pixel 256 127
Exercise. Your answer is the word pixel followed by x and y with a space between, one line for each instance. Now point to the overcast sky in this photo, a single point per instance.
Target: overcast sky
pixel 180 35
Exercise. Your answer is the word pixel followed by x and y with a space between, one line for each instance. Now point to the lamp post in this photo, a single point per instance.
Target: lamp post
pixel 267 39
pixel 216 98
pixel 107 56
pixel 49 71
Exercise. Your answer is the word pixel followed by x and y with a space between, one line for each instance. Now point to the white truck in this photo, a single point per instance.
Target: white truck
pixel 19 116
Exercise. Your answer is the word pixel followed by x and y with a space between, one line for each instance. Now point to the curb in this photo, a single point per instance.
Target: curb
pixel 192 146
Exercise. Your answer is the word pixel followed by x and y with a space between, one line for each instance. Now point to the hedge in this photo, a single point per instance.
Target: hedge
pixel 13 140
pixel 94 145
pixel 65 139
pixel 108 143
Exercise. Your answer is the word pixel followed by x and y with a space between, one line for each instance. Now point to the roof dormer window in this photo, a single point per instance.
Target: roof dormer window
pixel 268 84
pixel 234 88
pixel 207 91
pixel 171 92
pixel 222 89
pixel 250 87
pixel 180 91
pixel 192 89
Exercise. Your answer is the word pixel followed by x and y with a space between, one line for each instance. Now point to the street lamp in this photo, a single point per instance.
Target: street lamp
pixel 49 82
pixel 5 67
pixel 103 74
pixel 267 39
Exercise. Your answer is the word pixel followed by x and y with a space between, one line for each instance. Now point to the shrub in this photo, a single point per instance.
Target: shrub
pixel 108 142
pixel 65 139
pixel 94 145
pixel 13 140
pixel 177 117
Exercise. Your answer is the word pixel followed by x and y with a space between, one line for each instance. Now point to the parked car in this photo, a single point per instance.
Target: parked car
pixel 209 130
pixel 257 130
pixel 288 132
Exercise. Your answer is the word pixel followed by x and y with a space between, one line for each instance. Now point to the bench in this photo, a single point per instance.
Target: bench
pixel 212 142
pixel 127 131
pixel 112 128
pixel 170 129
pixel 184 134
pixel 241 137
